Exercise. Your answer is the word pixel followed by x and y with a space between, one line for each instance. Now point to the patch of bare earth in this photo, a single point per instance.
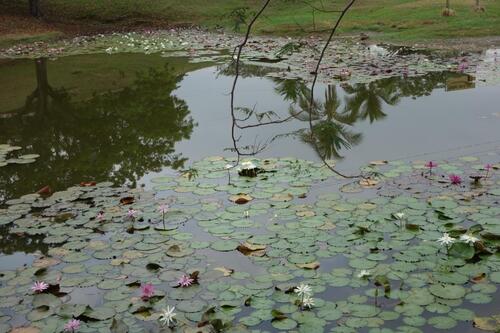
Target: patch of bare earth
pixel 16 25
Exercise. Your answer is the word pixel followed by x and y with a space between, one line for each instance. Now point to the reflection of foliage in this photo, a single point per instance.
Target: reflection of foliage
pixel 331 137
pixel 366 100
pixel 330 127
pixel 117 136
pixel 291 90
pixel 289 48
pixel 363 101
pixel 11 243
pixel 246 70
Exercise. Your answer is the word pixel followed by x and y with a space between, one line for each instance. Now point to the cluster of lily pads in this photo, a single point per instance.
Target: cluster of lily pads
pixel 6 149
pixel 346 59
pixel 246 255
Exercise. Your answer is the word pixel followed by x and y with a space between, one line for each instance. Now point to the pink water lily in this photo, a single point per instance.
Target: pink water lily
pixel 131 213
pixel 185 281
pixel 430 165
pixel 488 167
pixel 163 208
pixel 72 326
pixel 455 179
pixel 39 287
pixel 463 65
pixel 147 291
pixel 100 216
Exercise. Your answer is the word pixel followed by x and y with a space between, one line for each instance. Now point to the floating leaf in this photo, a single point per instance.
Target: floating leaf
pixel 250 249
pixel 486 323
pixel 240 198
pixel 311 265
pixel 226 271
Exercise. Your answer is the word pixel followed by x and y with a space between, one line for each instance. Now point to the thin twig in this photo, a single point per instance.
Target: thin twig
pixel 239 48
pixel 313 85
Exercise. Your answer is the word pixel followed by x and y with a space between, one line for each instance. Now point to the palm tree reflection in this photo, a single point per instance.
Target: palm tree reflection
pixel 333 118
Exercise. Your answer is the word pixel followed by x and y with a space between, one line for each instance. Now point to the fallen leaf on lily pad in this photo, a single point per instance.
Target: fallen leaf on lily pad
pixel 487 323
pixel 379 162
pixel 311 265
pixel 226 271
pixel 240 198
pixel 127 200
pixel 478 278
pixel 368 182
pixel 253 250
pixel 46 262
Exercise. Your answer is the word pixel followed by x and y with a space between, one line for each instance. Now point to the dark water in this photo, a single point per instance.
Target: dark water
pixel 128 117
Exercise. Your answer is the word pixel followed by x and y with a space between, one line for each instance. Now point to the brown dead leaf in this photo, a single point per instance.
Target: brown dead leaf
pixel 240 198
pixel 127 200
pixel 486 323
pixel 45 262
pixel 478 278
pixel 253 250
pixel 46 190
pixel 226 271
pixel 311 265
pixel 368 182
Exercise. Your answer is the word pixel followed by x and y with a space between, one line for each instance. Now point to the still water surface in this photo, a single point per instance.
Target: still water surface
pixel 128 117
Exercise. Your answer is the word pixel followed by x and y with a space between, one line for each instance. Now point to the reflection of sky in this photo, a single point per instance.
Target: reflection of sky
pixel 442 123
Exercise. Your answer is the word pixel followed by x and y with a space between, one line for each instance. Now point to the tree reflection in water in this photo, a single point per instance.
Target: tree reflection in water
pixel 332 122
pixel 115 135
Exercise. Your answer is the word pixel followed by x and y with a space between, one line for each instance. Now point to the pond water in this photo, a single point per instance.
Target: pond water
pixel 128 117
pixel 140 120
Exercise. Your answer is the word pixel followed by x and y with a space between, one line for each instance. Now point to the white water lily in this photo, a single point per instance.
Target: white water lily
pixel 228 166
pixel 248 165
pixel 446 239
pixel 364 273
pixel 303 290
pixel 399 216
pixel 469 239
pixel 308 302
pixel 167 316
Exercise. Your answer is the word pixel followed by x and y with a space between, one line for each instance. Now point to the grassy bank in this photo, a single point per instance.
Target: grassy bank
pixel 390 20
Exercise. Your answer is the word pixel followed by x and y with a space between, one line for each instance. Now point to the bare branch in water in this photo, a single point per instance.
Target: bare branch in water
pixel 259 146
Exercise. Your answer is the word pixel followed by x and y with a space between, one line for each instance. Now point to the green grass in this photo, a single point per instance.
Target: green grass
pixel 393 20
